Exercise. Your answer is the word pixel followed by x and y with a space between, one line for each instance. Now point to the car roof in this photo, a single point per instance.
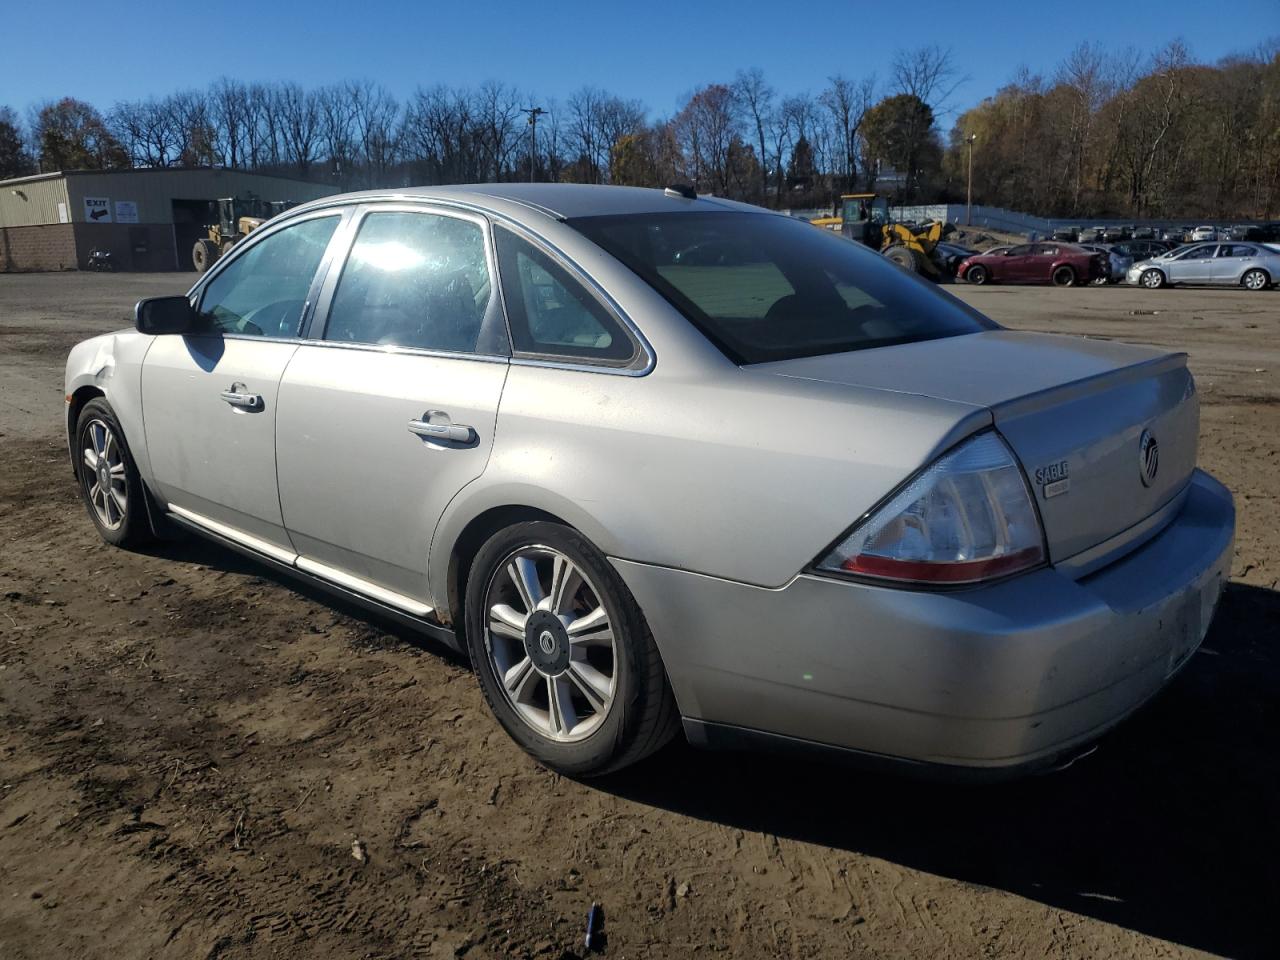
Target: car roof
pixel 562 201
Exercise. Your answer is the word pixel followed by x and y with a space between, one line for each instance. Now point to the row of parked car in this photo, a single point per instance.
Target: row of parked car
pixel 1256 232
pixel 1149 263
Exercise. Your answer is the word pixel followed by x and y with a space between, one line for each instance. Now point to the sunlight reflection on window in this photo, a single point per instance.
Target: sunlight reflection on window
pixel 388 255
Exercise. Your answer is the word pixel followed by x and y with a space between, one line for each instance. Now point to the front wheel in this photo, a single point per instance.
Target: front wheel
pixel 1152 279
pixel 1255 280
pixel 109 481
pixel 563 653
pixel 977 275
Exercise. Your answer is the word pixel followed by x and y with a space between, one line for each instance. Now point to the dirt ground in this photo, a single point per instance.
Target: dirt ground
pixel 190 747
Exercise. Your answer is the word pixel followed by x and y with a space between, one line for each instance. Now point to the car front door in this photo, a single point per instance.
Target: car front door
pixel 1194 266
pixel 1017 264
pixel 388 410
pixel 209 398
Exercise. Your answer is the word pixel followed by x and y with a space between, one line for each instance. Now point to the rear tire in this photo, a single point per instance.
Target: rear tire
pixel 613 705
pixel 1064 277
pixel 109 482
pixel 977 274
pixel 1255 280
pixel 204 254
pixel 1152 279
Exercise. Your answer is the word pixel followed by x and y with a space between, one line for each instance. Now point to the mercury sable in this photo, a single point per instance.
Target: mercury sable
pixel 663 463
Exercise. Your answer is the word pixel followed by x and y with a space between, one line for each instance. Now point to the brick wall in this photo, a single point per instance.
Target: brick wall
pixel 66 246
pixel 133 246
pixel 50 246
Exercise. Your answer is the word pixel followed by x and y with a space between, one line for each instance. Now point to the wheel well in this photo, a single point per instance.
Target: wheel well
pixel 468 544
pixel 78 399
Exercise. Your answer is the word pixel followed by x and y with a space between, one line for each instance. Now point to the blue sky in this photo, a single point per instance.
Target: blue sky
pixel 656 51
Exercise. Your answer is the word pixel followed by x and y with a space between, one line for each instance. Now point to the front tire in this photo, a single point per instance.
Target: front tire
pixel 109 481
pixel 977 275
pixel 204 254
pixel 564 657
pixel 1255 280
pixel 1152 279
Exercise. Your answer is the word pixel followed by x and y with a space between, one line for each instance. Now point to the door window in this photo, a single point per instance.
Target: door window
pixel 1195 253
pixel 551 313
pixel 1235 250
pixel 1021 251
pixel 263 291
pixel 417 280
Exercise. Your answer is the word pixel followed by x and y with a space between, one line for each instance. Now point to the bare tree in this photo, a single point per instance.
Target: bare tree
pixel 755 100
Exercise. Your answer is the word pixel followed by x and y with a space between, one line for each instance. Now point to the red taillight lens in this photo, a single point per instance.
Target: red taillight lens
pixel 967 518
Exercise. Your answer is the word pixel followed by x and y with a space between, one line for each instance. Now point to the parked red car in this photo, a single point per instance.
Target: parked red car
pixel 1061 264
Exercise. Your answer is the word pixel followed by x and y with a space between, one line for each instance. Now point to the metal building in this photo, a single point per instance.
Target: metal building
pixel 148 219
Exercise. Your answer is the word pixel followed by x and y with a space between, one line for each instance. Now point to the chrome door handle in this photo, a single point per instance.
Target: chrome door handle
pixel 249 401
pixel 452 432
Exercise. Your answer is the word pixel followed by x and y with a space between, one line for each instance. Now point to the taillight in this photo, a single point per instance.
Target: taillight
pixel 966 518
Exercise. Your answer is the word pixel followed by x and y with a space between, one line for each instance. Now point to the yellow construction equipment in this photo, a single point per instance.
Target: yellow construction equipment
pixel 864 218
pixel 237 218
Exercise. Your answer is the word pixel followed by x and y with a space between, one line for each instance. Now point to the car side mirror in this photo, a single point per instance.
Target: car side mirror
pixel 161 315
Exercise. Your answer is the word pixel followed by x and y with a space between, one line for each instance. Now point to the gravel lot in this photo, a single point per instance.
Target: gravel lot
pixel 190 747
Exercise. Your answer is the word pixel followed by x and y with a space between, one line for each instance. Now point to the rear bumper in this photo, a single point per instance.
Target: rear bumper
pixel 1003 678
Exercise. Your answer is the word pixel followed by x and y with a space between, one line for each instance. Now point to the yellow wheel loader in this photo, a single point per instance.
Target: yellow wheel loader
pixel 237 218
pixel 864 218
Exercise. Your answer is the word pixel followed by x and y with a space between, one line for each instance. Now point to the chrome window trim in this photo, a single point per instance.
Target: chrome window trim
pixel 376 348
pixel 495 217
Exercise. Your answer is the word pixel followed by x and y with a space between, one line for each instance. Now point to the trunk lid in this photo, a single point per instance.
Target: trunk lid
pixel 1107 432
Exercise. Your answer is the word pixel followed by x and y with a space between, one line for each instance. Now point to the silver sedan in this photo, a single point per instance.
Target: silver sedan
pixel 1254 266
pixel 660 463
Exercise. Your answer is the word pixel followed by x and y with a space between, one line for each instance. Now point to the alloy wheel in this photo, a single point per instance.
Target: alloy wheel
pixel 550 643
pixel 104 474
pixel 1255 280
pixel 1152 279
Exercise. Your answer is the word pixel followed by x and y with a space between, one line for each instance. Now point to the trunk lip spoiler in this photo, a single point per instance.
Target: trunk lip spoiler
pixel 1031 402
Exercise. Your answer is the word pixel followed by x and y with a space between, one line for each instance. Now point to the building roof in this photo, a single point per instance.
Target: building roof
pixel 234 171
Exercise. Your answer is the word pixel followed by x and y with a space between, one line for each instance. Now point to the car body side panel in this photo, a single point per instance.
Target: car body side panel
pixel 700 473
pixel 112 363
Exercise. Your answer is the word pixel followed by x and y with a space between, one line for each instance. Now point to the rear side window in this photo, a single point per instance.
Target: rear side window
pixel 417 280
pixel 764 287
pixel 263 291
pixel 550 313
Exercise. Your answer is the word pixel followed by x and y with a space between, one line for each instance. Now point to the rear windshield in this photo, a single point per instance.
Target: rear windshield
pixel 768 288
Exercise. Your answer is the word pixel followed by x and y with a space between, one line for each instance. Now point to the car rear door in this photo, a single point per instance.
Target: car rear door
pixel 388 409
pixel 209 399
pixel 1231 262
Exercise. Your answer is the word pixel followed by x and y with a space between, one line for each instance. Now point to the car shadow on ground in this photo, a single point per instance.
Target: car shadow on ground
pixel 1169 828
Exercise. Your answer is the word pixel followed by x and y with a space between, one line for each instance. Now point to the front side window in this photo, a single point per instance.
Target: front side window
pixel 764 287
pixel 550 313
pixel 418 280
pixel 1195 253
pixel 1021 251
pixel 263 292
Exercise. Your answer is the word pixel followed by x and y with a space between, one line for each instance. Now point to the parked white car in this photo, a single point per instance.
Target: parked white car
pixel 1205 232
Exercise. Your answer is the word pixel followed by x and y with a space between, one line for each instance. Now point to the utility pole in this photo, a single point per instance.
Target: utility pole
pixel 533 113
pixel 968 193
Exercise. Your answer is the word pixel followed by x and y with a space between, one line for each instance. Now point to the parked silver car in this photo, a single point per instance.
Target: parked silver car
pixel 657 461
pixel 1254 266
